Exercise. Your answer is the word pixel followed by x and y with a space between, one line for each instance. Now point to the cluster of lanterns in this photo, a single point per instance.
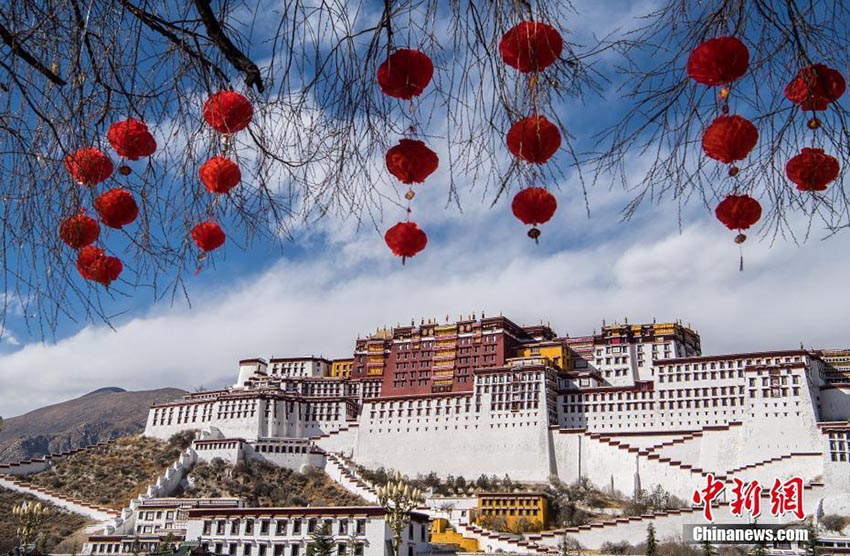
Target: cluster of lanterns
pixel 227 112
pixel 531 47
pixel 730 138
pixel 115 208
pixel 405 74
pixel 814 88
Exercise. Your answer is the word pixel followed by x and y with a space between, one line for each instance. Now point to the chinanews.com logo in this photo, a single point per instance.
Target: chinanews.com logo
pixel 744 534
pixel 785 497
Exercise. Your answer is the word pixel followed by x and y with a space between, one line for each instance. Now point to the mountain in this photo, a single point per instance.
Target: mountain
pixel 100 415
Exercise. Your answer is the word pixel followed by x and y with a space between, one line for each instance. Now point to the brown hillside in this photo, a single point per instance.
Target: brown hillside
pixel 101 415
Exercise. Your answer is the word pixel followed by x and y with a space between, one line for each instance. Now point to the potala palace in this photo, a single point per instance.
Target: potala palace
pixel 629 407
pixel 633 404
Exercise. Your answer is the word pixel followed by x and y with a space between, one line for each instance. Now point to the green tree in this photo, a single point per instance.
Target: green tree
pixel 483 483
pixel 570 547
pixel 322 542
pixel 833 522
pixel 167 544
pixel 617 548
pixel 651 543
pixel 707 549
pixel 431 480
pixel 812 544
pixel 460 484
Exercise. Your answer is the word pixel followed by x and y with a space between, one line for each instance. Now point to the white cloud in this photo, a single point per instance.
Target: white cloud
pixel 478 261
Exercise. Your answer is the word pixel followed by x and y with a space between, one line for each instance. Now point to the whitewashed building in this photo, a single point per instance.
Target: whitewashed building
pixel 356 531
pixel 632 406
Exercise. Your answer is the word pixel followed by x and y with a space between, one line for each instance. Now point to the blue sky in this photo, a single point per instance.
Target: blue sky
pixel 336 280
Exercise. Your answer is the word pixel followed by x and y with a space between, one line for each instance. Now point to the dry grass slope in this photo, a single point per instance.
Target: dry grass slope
pixel 59 524
pixel 265 485
pixel 115 474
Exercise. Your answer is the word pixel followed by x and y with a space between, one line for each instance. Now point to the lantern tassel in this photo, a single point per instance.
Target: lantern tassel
pixel 741 264
pixel 403 259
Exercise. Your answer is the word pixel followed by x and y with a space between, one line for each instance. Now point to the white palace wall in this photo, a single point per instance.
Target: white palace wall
pixel 463 442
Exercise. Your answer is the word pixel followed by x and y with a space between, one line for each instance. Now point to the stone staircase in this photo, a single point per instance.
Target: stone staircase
pixel 493 541
pixel 37 465
pixel 93 511
pixel 619 442
pixel 771 460
pixel 350 425
pixel 608 523
pixel 338 470
pixel 164 485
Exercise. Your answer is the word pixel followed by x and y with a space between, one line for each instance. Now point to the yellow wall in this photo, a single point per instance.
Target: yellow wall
pixel 341 368
pixel 557 354
pixel 442 533
pixel 514 508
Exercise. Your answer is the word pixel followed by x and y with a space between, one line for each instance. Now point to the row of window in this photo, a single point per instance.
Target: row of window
pixel 233 549
pixel 281 527
pixel 730 364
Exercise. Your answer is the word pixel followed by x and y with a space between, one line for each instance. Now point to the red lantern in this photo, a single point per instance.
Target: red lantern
pixel 93 264
pixel 729 138
pixel 405 74
pixel 116 208
pixel 411 161
pixel 533 206
pixel 219 174
pixel 228 112
pixel 79 230
pixel 719 61
pixel 534 139
pixel 531 46
pixel 131 139
pixel 208 236
pixel 738 212
pixel 406 239
pixel 89 166
pixel 812 169
pixel 815 87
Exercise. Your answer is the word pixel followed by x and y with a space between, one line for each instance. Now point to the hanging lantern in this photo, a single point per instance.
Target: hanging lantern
pixel 815 87
pixel 208 236
pixel 812 169
pixel 79 230
pixel 93 264
pixel 219 174
pixel 531 46
pixel 534 139
pixel 116 208
pixel 411 161
pixel 406 239
pixel 131 139
pixel 719 61
pixel 228 112
pixel 738 212
pixel 405 74
pixel 533 206
pixel 729 138
pixel 88 166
